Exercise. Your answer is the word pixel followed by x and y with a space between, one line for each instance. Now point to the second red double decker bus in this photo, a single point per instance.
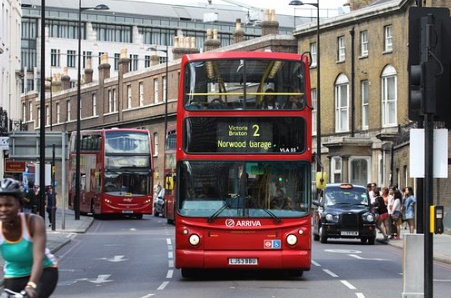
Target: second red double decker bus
pixel 243 173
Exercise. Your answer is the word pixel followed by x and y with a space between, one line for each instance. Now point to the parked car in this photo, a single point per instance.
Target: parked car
pixel 343 211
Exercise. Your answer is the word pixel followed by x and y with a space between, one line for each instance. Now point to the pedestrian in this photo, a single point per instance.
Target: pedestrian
pixel 28 198
pixel 396 215
pixel 50 199
pixel 382 219
pixel 409 208
pixel 29 265
pixel 36 199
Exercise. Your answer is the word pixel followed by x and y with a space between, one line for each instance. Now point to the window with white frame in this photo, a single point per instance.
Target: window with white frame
pixel 141 94
pixel 30 111
pixel 71 57
pixel 94 104
pixel 388 38
pixel 114 100
pixel 55 56
pixel 155 91
pixel 24 112
pixel 100 57
pixel 155 144
pixel 165 96
pixel 129 97
pixel 117 57
pixel 39 117
pixel 365 104
pixel 315 111
pixel 147 61
pixel 314 53
pixel 389 97
pixel 68 110
pixel 133 62
pixel 364 43
pixel 359 173
pixel 58 113
pixel 336 169
pixel 110 101
pixel 341 49
pixel 47 115
pixel 87 55
pixel 342 104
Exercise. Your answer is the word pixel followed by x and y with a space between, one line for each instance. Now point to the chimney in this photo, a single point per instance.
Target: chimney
pixel 270 25
pixel 357 4
pixel 238 35
pixel 184 45
pixel 212 43
pixel 124 62
pixel 65 79
pixel 104 67
pixel 88 72
pixel 56 83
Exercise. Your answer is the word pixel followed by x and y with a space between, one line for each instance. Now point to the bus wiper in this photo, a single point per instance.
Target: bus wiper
pixel 216 214
pixel 275 217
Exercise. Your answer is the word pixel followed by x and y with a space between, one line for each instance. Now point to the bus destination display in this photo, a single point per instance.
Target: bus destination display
pixel 254 135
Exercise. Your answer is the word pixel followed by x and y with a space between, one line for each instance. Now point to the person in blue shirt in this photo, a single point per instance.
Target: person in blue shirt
pixel 409 208
pixel 29 265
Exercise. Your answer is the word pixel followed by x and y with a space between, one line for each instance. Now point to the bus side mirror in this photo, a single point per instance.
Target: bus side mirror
pixel 169 182
pixel 321 180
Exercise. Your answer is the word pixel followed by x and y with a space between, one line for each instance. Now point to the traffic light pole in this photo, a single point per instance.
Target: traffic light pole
pixel 428 193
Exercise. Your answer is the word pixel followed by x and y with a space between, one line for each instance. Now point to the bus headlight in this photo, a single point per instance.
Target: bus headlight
pixel 292 239
pixel 194 240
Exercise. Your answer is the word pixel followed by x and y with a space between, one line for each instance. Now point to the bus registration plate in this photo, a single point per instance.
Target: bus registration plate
pixel 127 211
pixel 349 233
pixel 243 261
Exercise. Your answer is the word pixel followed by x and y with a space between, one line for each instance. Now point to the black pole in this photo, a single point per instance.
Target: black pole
pixel 167 95
pixel 429 192
pixel 77 142
pixel 42 122
pixel 53 187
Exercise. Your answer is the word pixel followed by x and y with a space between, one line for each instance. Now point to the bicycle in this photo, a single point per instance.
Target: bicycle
pixel 7 293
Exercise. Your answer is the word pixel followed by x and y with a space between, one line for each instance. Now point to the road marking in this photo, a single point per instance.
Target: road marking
pixel 163 285
pixel 170 255
pixel 360 295
pixel 346 283
pixel 171 264
pixel 316 264
pixel 170 273
pixel 114 259
pixel 147 296
pixel 368 259
pixel 343 251
pixel 330 273
pixel 168 241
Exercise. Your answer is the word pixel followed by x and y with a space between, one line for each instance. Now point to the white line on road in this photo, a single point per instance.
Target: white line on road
pixel 171 264
pixel 346 283
pixel 316 264
pixel 330 273
pixel 168 241
pixel 147 296
pixel 170 273
pixel 170 255
pixel 163 285
pixel 360 295
pixel 369 259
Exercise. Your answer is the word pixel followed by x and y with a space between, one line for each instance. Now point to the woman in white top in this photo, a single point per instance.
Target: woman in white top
pixel 396 213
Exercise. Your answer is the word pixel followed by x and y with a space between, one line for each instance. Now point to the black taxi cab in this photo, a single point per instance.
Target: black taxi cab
pixel 343 211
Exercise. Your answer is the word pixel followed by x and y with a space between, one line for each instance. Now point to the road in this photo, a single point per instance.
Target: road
pixel 134 258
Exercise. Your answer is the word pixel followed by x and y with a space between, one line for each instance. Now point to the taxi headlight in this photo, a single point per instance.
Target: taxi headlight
pixel 194 239
pixel 292 239
pixel 370 217
pixel 329 217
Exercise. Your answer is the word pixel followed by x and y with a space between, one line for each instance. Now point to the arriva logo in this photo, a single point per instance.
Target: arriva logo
pixel 242 223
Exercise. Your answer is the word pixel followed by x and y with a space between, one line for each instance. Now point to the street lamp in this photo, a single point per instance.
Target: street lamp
pixel 166 89
pixel 318 80
pixel 78 147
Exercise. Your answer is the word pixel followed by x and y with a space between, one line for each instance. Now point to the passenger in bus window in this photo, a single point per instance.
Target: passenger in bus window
pixel 269 101
pixel 295 101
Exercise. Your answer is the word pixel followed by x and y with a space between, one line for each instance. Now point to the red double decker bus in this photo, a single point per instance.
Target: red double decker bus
pixel 115 172
pixel 244 159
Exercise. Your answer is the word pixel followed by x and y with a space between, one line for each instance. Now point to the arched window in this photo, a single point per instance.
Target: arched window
pixel 342 103
pixel 389 97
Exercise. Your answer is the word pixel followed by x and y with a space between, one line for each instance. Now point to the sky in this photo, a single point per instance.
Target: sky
pixel 281 6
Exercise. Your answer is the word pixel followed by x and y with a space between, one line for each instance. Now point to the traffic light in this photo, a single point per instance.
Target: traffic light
pixel 429 63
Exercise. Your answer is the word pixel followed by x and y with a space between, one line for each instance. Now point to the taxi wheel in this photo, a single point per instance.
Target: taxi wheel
pixel 363 239
pixel 322 235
